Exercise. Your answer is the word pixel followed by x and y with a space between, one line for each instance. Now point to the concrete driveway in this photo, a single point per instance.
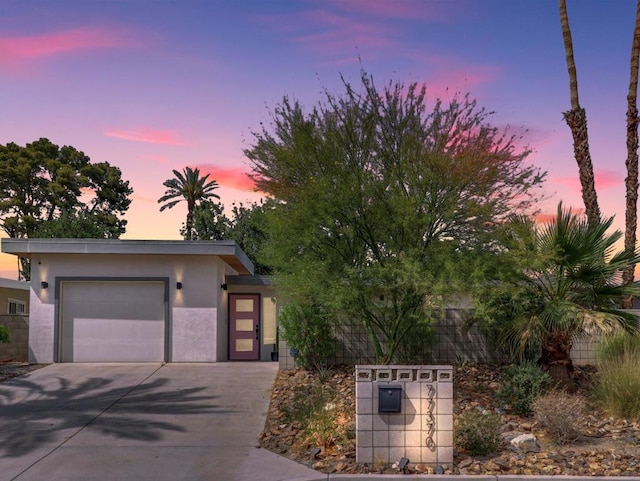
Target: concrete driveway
pixel 139 422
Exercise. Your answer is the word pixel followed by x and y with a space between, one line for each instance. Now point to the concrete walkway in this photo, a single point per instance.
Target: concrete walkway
pixel 140 422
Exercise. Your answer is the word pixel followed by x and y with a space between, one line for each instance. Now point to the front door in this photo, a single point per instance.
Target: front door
pixel 244 327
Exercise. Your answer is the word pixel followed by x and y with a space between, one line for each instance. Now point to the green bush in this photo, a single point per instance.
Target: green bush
pixel 520 385
pixel 559 414
pixel 617 388
pixel 4 335
pixel 618 345
pixel 477 433
pixel 306 327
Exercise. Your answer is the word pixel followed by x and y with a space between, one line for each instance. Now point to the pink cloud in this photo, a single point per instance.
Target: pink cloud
pixel 546 217
pixel 405 10
pixel 446 83
pixel 155 158
pixel 235 178
pixel 18 50
pixel 150 136
pixel 604 179
pixel 337 34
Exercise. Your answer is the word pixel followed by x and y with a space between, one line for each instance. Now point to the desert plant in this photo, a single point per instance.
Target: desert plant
pixel 617 388
pixel 520 385
pixel 322 422
pixel 617 346
pixel 306 327
pixel 559 414
pixel 563 281
pixel 477 433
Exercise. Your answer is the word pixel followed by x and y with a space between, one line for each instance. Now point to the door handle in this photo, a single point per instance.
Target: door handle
pixel 258 332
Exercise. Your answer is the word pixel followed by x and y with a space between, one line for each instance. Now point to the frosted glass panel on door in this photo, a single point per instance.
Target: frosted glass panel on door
pixel 244 305
pixel 244 325
pixel 244 345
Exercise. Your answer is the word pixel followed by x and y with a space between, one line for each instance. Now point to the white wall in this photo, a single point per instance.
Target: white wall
pixel 194 313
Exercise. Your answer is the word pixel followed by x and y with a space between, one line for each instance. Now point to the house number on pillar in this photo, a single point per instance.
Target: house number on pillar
pixel 430 423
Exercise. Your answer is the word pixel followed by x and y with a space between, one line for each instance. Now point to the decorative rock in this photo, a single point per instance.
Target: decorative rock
pixel 465 463
pixel 527 443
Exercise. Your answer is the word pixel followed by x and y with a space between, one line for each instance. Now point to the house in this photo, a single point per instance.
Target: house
pixel 111 300
pixel 14 297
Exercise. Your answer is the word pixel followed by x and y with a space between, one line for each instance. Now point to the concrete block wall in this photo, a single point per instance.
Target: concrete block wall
pixel 422 431
pixel 17 350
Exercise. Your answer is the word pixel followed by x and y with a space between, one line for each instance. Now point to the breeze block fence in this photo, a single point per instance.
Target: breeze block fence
pixel 453 343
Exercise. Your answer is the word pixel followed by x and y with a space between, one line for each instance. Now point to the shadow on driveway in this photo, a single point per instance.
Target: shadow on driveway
pixel 35 414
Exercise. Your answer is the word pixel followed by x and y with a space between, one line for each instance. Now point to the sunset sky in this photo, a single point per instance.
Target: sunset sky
pixel 155 85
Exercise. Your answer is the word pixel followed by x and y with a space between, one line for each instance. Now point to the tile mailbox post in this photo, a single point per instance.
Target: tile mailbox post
pixel 404 411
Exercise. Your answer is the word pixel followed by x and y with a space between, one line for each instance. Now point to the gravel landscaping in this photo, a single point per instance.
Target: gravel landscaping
pixel 605 446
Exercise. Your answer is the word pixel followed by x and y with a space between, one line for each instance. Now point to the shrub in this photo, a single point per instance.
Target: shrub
pixel 559 414
pixel 618 345
pixel 315 410
pixel 617 388
pixel 306 327
pixel 477 433
pixel 521 384
pixel 4 335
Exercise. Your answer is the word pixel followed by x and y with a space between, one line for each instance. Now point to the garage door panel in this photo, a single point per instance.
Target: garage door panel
pixel 112 321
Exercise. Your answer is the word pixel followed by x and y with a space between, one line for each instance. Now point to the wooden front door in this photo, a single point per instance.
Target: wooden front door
pixel 244 327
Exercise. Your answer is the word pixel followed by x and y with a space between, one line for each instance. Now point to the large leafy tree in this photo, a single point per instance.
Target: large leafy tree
pixel 190 187
pixel 52 191
pixel 557 282
pixel 377 195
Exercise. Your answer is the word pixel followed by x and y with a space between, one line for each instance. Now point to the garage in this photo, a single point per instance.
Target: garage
pixel 112 320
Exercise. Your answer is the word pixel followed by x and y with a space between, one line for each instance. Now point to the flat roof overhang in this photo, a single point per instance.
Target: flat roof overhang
pixel 228 251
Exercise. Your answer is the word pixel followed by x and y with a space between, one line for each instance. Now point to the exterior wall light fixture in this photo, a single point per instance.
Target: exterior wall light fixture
pixel 178 285
pixel 44 284
pixel 223 286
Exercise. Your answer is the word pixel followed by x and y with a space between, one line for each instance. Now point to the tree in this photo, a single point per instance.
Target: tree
pixel 375 197
pixel 44 184
pixel 576 119
pixel 631 182
pixel 246 227
pixel 209 222
pixel 557 282
pixel 190 187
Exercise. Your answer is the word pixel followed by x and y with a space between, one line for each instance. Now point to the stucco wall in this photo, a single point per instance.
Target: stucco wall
pixel 193 310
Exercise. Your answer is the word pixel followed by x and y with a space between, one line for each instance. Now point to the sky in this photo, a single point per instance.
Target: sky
pixel 155 85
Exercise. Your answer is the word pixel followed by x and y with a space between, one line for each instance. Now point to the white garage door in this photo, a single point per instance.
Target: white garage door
pixel 112 321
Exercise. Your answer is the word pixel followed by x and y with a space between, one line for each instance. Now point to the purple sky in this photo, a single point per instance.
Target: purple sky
pixel 156 85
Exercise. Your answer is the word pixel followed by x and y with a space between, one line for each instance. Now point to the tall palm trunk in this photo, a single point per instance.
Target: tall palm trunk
pixel 576 119
pixel 631 182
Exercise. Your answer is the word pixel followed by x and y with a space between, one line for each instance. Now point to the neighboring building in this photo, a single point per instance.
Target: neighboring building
pixel 108 300
pixel 14 297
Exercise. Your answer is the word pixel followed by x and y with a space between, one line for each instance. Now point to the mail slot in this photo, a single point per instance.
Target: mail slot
pixel 389 399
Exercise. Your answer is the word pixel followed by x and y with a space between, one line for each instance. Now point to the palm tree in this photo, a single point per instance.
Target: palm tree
pixel 576 119
pixel 631 211
pixel 568 283
pixel 190 187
